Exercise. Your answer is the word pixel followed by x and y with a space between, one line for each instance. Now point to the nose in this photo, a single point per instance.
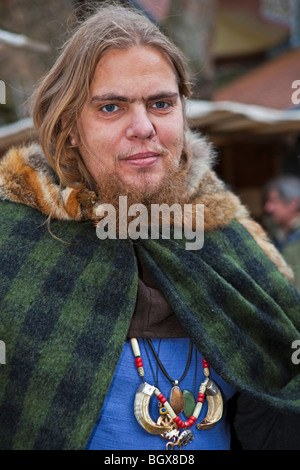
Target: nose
pixel 140 125
pixel 268 206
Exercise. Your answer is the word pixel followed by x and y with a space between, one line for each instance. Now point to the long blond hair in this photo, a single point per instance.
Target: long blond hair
pixel 65 88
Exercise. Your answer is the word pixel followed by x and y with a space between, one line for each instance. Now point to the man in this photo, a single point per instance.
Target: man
pixel 96 328
pixel 282 204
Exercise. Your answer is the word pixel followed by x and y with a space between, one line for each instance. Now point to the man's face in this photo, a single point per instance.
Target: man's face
pixel 280 212
pixel 131 125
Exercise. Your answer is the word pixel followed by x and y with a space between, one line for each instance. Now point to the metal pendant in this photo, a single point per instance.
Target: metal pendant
pixel 173 432
pixel 184 438
pixel 175 437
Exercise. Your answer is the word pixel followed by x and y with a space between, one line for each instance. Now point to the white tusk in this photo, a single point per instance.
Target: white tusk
pixel 141 410
pixel 215 406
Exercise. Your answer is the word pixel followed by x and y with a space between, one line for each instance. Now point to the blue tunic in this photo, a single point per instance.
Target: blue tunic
pixel 117 427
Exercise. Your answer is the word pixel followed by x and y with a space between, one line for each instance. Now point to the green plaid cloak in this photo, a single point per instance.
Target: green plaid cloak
pixel 66 305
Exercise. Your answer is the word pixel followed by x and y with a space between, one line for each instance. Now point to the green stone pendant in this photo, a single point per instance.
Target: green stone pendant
pixel 189 403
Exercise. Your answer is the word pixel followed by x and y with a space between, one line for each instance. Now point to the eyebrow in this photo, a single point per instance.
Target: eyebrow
pixel 113 97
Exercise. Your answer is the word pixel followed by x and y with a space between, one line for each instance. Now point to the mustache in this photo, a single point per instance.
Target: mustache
pixel 158 150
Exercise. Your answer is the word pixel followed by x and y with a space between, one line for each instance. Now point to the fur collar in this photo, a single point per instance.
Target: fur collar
pixel 27 178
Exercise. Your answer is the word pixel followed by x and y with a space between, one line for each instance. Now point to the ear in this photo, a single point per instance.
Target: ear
pixel 294 204
pixel 72 135
pixel 73 140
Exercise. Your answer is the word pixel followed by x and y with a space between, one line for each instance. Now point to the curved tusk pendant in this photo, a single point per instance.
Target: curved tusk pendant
pixel 141 410
pixel 215 406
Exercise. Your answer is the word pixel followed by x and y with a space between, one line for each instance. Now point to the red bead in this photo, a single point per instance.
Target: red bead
pixel 205 363
pixel 180 424
pixel 201 397
pixel 161 398
pixel 189 423
pixel 192 418
pixel 139 362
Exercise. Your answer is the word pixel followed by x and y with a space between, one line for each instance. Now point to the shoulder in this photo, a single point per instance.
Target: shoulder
pixel 22 224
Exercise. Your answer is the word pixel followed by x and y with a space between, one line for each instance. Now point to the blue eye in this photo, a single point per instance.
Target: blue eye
pixel 161 104
pixel 109 108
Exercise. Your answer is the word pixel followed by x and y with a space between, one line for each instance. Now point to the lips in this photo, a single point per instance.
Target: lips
pixel 143 159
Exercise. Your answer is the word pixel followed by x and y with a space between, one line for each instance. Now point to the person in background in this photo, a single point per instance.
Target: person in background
pixel 282 206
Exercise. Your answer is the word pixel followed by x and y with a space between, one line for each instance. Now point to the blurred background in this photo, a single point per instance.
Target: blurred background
pixel 245 59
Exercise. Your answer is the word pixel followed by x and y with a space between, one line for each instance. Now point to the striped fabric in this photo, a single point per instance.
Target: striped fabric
pixel 66 303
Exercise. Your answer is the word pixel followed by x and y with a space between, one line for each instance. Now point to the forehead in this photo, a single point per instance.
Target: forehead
pixel 274 195
pixel 134 71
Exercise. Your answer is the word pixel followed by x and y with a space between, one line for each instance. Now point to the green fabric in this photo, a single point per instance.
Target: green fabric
pixel 291 253
pixel 65 309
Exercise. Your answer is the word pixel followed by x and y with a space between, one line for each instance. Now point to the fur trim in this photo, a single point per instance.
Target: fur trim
pixel 27 178
pixel 263 241
pixel 201 158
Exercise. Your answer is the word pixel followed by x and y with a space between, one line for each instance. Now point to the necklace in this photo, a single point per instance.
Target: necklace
pixel 173 382
pixel 169 425
pixel 177 398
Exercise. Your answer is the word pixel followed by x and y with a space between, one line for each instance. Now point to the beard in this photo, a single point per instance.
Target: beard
pixel 169 190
